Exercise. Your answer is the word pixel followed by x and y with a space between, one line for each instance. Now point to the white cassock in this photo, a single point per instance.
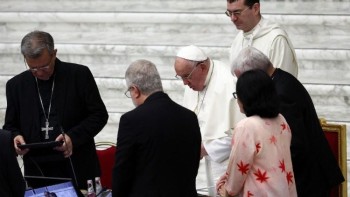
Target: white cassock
pixel 215 108
pixel 271 40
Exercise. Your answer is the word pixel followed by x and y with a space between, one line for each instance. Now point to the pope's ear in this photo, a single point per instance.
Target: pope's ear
pixel 203 65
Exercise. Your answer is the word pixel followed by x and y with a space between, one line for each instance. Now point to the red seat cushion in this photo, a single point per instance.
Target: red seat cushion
pixel 333 140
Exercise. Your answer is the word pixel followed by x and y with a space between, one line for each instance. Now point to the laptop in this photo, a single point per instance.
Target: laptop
pixel 64 187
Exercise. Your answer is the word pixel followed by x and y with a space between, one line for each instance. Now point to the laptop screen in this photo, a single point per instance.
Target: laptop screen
pixel 65 189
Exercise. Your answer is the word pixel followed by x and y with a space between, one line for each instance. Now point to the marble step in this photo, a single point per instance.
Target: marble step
pixel 171 6
pixel 111 61
pixel 161 22
pixel 332 100
pixel 306 76
pixel 175 39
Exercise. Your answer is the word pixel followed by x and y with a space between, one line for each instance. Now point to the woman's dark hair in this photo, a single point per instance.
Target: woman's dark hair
pixel 256 91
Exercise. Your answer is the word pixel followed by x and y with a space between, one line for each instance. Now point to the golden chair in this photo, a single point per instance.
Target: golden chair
pixel 336 137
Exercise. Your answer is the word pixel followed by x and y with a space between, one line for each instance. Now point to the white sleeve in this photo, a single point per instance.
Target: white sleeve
pixel 219 149
pixel 282 56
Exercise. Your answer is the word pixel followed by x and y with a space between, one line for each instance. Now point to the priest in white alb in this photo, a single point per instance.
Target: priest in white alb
pixel 262 34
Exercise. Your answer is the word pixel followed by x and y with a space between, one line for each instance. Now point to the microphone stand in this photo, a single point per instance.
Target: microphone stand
pixel 70 159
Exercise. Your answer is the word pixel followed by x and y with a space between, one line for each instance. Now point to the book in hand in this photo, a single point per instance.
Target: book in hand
pixel 49 144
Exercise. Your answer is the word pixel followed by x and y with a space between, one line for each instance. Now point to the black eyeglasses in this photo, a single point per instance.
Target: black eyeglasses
pixel 236 13
pixel 127 92
pixel 234 95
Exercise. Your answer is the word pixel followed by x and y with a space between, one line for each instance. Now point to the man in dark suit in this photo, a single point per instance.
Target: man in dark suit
pixel 54 101
pixel 158 145
pixel 316 169
pixel 11 180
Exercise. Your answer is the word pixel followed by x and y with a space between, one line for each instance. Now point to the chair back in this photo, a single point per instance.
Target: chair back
pixel 106 155
pixel 336 137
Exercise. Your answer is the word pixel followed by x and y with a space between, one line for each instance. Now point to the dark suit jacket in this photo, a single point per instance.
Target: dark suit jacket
pixel 158 150
pixel 11 179
pixel 81 113
pixel 315 168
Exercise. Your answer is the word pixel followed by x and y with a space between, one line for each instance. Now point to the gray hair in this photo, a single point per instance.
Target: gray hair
pixel 250 58
pixel 144 74
pixel 34 43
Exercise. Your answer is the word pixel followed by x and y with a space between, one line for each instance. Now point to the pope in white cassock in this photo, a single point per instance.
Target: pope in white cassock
pixel 209 94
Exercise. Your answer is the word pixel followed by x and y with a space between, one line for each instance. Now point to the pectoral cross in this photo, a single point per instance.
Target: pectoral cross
pixel 46 129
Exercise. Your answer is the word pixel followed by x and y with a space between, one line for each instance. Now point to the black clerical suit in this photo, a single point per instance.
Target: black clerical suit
pixel 11 179
pixel 314 165
pixel 158 150
pixel 77 109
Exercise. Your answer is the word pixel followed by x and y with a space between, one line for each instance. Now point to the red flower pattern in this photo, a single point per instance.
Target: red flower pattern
pixel 282 166
pixel 259 173
pixel 289 177
pixel 273 140
pixel 243 168
pixel 284 126
pixel 262 177
pixel 249 194
pixel 257 146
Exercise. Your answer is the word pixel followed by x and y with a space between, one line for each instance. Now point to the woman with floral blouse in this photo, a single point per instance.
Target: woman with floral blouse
pixel 260 161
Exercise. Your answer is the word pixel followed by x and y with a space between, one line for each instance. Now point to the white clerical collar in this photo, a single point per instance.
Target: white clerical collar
pixel 253 30
pixel 249 36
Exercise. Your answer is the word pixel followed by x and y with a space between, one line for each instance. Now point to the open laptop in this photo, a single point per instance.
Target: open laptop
pixel 63 187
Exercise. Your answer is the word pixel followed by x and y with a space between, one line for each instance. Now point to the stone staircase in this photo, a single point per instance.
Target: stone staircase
pixel 108 35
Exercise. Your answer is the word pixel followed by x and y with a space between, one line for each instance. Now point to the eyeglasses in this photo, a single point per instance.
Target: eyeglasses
pixel 234 95
pixel 236 13
pixel 188 77
pixel 34 70
pixel 127 92
pixel 41 68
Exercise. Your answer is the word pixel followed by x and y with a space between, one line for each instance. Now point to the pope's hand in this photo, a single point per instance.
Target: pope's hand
pixel 203 151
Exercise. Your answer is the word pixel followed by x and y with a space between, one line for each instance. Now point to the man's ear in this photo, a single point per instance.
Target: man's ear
pixel 256 8
pixel 137 92
pixel 203 66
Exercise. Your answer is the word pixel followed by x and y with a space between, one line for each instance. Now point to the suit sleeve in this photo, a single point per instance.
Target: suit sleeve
pixel 96 112
pixel 11 117
pixel 293 111
pixel 12 172
pixel 124 168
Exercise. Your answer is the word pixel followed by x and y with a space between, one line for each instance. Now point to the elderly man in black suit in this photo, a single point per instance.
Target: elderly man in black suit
pixel 316 169
pixel 158 145
pixel 11 180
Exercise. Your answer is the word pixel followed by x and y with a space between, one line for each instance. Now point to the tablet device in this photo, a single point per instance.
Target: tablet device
pixel 65 189
pixel 49 144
